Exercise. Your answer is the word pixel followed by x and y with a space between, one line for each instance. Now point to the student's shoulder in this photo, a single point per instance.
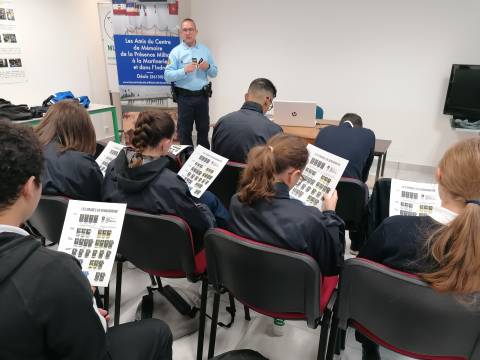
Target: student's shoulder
pixel 398 222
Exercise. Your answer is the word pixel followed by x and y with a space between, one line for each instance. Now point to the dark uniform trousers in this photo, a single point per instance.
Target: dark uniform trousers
pixel 149 339
pixel 193 109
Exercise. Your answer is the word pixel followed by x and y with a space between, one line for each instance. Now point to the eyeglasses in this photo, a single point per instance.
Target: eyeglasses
pixel 188 30
pixel 270 107
pixel 300 179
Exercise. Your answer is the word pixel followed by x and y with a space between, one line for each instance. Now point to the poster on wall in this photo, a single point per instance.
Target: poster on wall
pixel 144 34
pixel 11 60
pixel 105 17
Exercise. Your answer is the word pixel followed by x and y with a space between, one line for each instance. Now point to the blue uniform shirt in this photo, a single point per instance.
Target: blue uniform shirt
pixel 182 55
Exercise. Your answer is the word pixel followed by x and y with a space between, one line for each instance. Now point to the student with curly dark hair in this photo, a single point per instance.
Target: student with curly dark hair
pixel 140 177
pixel 47 309
pixel 68 138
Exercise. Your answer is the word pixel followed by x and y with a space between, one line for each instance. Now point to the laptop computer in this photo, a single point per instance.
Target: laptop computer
pixel 294 113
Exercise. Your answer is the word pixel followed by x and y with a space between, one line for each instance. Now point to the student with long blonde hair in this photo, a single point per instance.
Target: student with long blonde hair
pixel 263 210
pixel 444 248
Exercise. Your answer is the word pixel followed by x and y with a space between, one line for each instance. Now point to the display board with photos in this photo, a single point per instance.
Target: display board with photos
pixel 413 198
pixel 108 154
pixel 320 176
pixel 91 233
pixel 201 169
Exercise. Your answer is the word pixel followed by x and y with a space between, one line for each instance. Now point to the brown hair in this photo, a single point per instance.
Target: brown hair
pixel 455 248
pixel 68 123
pixel 151 127
pixel 264 162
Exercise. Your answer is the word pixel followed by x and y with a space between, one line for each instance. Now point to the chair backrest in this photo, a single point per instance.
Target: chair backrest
pixel 159 244
pixel 226 183
pixel 401 312
pixel 379 204
pixel 49 217
pixel 352 202
pixel 263 276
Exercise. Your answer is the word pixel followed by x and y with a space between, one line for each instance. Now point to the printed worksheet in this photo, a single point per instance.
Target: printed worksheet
pixel 413 198
pixel 320 176
pixel 201 168
pixel 108 154
pixel 176 149
pixel 91 233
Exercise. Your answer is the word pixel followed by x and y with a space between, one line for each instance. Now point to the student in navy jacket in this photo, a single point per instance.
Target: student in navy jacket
pixel 263 210
pixel 443 248
pixel 68 138
pixel 47 308
pixel 139 177
pixel 351 141
pixel 236 133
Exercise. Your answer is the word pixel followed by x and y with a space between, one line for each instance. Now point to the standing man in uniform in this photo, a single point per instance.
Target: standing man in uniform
pixel 189 66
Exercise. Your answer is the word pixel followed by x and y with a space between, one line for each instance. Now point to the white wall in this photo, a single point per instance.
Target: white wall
pixel 389 61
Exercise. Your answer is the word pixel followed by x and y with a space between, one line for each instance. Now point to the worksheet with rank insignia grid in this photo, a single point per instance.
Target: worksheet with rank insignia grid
pixel 413 198
pixel 108 154
pixel 201 168
pixel 320 176
pixel 91 233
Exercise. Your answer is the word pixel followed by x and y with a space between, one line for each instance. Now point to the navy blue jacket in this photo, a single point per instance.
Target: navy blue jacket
pixel 399 243
pixel 289 224
pixel 155 189
pixel 357 145
pixel 236 133
pixel 71 173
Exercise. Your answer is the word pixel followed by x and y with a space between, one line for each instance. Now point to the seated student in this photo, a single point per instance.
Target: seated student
pixel 444 248
pixel 236 133
pixel 350 141
pixel 68 139
pixel 140 178
pixel 46 306
pixel 263 210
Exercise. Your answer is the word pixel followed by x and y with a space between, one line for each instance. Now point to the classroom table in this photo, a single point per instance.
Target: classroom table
pixel 92 110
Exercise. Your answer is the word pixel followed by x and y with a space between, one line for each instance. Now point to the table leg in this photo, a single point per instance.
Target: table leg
pixel 379 165
pixel 383 163
pixel 115 125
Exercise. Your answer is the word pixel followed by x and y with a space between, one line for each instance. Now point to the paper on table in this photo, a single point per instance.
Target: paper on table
pixel 108 154
pixel 91 232
pixel 321 176
pixel 201 168
pixel 413 198
pixel 176 149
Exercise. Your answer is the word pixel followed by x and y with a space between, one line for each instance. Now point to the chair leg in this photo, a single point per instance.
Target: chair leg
pixel 325 326
pixel 106 297
pixel 334 336
pixel 203 310
pixel 213 331
pixel 247 312
pixel 118 293
pixel 343 336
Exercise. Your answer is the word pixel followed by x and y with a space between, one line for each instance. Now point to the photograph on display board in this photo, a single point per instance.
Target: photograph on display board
pixel 3 15
pixel 9 38
pixel 3 63
pixel 10 14
pixel 15 62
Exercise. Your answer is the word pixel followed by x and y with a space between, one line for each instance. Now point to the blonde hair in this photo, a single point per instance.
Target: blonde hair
pixel 455 248
pixel 281 152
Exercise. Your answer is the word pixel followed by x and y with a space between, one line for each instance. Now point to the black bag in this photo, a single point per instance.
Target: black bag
pixel 14 112
pixel 244 354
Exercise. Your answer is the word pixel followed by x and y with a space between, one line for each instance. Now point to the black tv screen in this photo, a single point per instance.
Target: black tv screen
pixel 463 94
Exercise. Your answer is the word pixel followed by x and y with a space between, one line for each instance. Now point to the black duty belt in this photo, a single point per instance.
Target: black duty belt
pixel 185 92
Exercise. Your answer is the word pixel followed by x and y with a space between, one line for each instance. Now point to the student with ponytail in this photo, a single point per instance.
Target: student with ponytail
pixel 264 211
pixel 444 248
pixel 140 177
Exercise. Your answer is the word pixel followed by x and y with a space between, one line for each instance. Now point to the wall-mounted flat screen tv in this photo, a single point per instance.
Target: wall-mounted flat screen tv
pixel 463 94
